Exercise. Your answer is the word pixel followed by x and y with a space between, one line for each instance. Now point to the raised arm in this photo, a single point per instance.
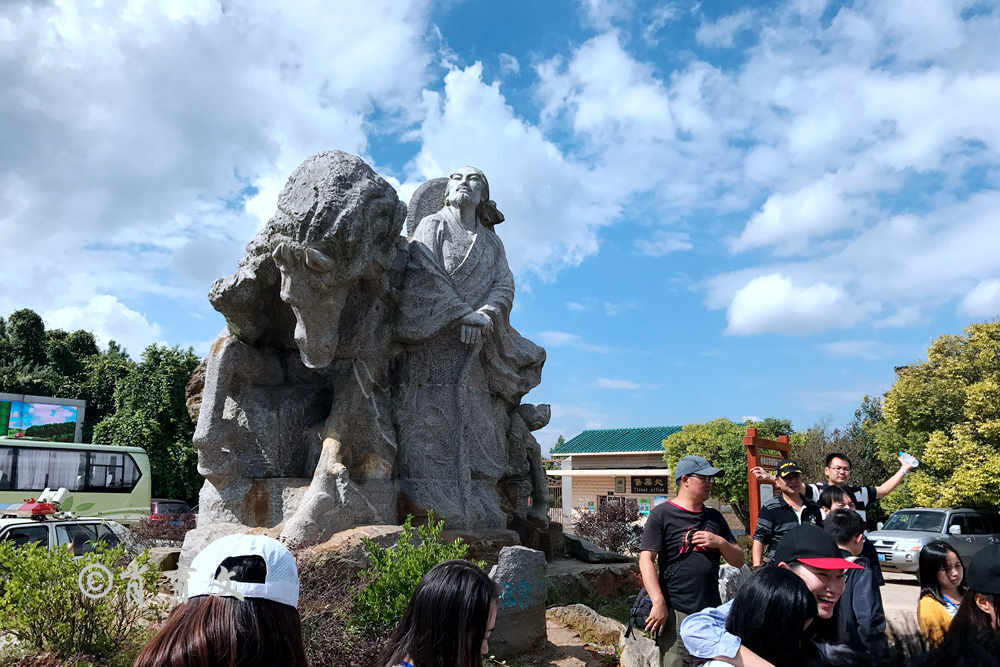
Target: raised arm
pixel 889 485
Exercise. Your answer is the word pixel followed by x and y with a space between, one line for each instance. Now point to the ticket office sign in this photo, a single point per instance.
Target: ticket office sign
pixel 649 485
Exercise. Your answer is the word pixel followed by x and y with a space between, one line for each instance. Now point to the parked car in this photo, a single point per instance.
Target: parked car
pixel 900 540
pixel 174 511
pixel 80 535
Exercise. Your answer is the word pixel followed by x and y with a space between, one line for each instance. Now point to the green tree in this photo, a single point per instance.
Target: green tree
pixel 946 412
pixel 102 373
pixel 150 412
pixel 720 441
pixel 26 336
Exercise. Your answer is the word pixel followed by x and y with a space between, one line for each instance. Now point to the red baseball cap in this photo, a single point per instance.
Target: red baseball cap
pixel 813 546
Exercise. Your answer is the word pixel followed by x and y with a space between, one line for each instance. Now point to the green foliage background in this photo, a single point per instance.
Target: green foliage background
pixel 720 441
pixel 128 403
pixel 946 412
pixel 43 606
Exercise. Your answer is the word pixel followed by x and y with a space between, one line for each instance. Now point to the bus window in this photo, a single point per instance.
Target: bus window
pixel 21 535
pixel 112 470
pixel 6 467
pixel 38 469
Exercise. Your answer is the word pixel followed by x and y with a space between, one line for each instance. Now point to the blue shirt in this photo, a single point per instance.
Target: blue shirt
pixel 704 633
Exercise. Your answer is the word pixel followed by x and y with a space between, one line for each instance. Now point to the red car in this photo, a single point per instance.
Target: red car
pixel 175 511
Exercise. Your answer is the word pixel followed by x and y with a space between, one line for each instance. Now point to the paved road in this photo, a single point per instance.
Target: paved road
pixel 899 597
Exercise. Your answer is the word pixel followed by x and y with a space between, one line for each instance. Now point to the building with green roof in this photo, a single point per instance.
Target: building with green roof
pixel 608 465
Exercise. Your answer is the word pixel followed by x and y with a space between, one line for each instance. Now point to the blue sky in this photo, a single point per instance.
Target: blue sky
pixel 712 209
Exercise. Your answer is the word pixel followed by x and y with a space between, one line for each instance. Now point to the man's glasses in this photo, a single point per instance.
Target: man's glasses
pixel 704 478
pixel 840 469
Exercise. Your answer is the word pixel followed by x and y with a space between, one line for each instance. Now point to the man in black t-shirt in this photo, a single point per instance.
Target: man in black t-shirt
pixel 686 539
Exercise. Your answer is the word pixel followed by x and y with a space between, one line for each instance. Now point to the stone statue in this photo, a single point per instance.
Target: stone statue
pixel 362 375
pixel 465 368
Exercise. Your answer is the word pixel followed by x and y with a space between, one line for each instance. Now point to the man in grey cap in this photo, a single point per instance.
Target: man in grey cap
pixel 686 539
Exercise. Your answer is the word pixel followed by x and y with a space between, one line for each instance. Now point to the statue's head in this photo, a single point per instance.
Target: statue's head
pixel 468 187
pixel 337 223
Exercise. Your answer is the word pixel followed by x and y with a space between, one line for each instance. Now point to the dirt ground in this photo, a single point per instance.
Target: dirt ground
pixel 899 598
pixel 564 648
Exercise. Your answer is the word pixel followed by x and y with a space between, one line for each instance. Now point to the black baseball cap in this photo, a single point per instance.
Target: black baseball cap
pixel 696 465
pixel 788 467
pixel 983 575
pixel 814 546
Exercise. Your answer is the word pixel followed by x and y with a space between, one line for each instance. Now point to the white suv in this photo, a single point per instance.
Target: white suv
pixel 76 534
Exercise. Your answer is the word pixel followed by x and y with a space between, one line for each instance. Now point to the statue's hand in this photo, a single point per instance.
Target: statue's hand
pixel 470 334
pixel 478 319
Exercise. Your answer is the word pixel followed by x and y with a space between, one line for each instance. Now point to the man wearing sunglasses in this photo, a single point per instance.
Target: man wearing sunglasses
pixel 788 509
pixel 686 539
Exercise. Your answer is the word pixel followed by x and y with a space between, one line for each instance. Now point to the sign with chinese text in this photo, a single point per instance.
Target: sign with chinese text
pixel 650 485
pixel 768 462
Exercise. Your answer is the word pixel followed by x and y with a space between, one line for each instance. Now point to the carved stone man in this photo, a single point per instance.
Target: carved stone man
pixel 465 368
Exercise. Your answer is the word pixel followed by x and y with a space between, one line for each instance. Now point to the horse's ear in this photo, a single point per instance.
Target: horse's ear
pixel 317 261
pixel 282 254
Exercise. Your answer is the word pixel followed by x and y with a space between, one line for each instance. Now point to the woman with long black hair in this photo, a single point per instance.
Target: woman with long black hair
pixel 942 584
pixel 977 616
pixel 772 614
pixel 448 620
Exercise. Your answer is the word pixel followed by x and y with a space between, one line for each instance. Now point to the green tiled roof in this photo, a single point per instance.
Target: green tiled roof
pixel 648 439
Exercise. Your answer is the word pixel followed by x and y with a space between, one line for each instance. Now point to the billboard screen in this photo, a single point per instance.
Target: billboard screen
pixel 41 418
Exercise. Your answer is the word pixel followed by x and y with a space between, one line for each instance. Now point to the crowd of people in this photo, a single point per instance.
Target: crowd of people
pixel 813 597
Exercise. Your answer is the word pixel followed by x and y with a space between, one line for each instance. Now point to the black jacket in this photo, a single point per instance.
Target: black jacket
pixel 860 616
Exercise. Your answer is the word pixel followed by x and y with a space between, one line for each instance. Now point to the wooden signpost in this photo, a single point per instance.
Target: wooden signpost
pixel 767 461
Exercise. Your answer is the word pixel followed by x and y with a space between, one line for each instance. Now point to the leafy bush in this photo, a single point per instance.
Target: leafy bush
pixel 43 604
pixel 395 572
pixel 612 526
pixel 327 591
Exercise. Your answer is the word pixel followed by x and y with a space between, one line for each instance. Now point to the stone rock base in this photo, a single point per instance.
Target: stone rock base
pixel 571 580
pixel 593 627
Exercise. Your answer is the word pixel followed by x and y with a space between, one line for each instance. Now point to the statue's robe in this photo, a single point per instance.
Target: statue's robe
pixel 454 398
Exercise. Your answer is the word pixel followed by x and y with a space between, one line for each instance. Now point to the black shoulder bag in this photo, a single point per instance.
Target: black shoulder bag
pixel 643 604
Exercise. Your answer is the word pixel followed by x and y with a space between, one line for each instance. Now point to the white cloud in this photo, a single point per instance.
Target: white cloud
pixel 857 349
pixel 983 300
pixel 530 179
pixel 108 319
pixel 858 134
pixel 611 309
pixel 135 132
pixel 509 64
pixel 791 220
pixel 905 316
pixel 608 383
pixel 563 339
pixel 657 18
pixel 721 33
pixel 774 304
pixel 663 243
pixel 573 306
pixel 749 418
pixel 602 13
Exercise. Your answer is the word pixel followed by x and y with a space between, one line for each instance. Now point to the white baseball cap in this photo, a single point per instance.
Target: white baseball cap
pixel 281 584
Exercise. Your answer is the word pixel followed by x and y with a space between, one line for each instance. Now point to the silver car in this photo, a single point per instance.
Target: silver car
pixel 900 540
